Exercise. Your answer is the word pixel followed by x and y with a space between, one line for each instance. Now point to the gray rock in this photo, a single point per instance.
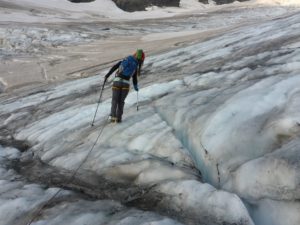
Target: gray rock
pixel 204 1
pixel 220 2
pixel 140 5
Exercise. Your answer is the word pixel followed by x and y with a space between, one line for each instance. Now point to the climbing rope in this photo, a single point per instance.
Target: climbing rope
pixel 71 178
pixel 77 169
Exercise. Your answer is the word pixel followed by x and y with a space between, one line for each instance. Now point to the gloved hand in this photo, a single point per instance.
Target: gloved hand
pixel 136 87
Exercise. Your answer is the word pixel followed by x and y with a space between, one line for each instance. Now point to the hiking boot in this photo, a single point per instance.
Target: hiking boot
pixel 113 119
pixel 119 120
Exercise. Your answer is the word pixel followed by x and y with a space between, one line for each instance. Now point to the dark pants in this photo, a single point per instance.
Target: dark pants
pixel 120 92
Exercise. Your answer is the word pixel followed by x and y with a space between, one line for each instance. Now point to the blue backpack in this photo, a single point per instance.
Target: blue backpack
pixel 128 66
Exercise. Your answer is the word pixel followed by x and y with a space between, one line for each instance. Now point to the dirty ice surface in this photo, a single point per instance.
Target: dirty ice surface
pixel 59 10
pixel 215 139
pixel 51 42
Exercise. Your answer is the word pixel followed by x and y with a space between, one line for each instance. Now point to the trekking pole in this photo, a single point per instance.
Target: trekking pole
pixel 137 101
pixel 98 102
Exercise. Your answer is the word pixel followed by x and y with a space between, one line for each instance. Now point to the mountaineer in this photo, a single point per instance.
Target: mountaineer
pixel 126 68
